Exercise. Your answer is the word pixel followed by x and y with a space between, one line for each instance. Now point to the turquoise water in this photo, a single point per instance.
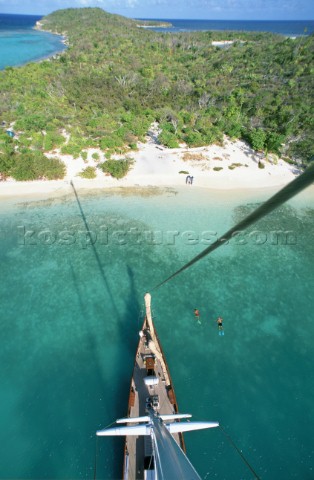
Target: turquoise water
pixel 70 313
pixel 20 44
pixel 18 48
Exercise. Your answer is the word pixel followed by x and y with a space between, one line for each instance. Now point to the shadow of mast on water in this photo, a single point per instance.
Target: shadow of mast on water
pixel 96 255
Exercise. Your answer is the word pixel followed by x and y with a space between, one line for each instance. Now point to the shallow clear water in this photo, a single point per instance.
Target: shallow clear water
pixel 18 48
pixel 70 314
pixel 20 44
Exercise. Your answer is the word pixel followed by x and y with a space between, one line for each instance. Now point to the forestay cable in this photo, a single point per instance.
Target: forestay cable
pixel 289 191
pixel 239 452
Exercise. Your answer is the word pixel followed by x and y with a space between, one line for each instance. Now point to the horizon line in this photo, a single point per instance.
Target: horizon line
pixel 170 18
pixel 226 19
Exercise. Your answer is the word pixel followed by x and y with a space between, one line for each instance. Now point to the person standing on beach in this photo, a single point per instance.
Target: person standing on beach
pixel 191 180
pixel 188 179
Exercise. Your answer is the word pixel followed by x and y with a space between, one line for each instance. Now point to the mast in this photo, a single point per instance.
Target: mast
pixel 170 461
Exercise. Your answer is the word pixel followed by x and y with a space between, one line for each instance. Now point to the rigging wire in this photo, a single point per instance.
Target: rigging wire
pixel 239 452
pixel 285 194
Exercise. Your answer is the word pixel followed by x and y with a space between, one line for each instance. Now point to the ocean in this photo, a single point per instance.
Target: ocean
pixel 71 312
pixel 20 43
pixel 283 27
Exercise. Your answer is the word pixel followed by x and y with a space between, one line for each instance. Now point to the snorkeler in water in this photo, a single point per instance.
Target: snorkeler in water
pixel 220 327
pixel 197 315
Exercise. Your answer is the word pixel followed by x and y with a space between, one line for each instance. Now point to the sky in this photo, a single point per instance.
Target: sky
pixel 183 9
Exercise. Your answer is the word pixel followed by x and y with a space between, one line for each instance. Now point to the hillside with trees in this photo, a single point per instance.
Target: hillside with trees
pixel 115 79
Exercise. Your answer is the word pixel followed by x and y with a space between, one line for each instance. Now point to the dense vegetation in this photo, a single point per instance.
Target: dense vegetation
pixel 116 168
pixel 115 79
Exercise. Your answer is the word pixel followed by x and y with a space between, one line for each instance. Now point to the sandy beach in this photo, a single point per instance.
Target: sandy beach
pixel 234 165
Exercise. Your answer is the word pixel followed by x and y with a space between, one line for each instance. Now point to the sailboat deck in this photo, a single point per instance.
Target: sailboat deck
pixel 137 448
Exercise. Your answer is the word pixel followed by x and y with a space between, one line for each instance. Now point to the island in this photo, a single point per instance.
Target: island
pixel 153 24
pixel 131 106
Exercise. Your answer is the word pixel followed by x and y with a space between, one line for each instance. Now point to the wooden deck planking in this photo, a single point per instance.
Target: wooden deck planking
pixel 135 445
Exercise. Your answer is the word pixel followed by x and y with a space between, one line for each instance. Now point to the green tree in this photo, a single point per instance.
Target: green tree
pixel 117 168
pixel 257 138
pixel 35 166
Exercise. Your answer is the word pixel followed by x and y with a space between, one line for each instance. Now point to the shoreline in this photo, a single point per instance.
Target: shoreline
pixel 65 195
pixel 39 27
pixel 48 56
pixel 64 40
pixel 64 43
pixel 232 166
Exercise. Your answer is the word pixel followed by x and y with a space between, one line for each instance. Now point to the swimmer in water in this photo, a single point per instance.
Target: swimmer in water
pixel 220 327
pixel 197 315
